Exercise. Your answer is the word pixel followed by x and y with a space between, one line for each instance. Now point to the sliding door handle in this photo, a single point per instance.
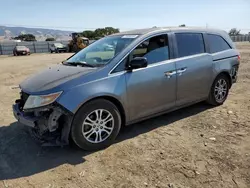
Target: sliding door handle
pixel 181 70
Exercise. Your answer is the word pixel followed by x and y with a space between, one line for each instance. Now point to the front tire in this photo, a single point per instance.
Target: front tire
pixel 219 90
pixel 96 125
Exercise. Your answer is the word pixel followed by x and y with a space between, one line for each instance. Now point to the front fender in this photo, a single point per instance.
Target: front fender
pixel 112 86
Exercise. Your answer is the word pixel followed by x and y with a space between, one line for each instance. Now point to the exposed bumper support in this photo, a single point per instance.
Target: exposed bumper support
pixel 26 120
pixel 51 125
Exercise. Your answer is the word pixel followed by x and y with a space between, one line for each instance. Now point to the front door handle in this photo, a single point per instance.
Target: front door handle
pixel 169 74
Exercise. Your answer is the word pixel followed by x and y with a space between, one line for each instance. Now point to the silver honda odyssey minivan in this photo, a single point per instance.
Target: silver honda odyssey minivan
pixel 142 73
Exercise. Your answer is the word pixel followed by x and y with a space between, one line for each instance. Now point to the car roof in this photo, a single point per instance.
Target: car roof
pixel 137 31
pixel 173 29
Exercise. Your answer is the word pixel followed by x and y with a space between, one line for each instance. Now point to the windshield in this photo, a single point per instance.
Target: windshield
pixel 102 51
pixel 58 45
pixel 21 48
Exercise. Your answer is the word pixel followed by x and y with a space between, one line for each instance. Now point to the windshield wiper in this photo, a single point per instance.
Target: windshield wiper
pixel 83 64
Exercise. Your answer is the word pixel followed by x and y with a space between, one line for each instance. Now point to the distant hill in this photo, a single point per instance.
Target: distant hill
pixel 6 33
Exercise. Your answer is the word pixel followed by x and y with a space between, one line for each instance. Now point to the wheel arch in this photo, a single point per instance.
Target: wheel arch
pixel 112 99
pixel 227 74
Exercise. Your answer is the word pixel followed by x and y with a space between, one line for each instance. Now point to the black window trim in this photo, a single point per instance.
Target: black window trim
pixel 217 36
pixel 193 32
pixel 171 52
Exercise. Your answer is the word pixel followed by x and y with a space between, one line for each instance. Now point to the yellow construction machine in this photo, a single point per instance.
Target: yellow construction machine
pixel 78 42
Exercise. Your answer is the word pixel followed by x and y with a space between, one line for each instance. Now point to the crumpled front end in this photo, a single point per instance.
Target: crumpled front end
pixel 50 124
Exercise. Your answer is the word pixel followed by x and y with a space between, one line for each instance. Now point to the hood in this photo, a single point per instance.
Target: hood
pixel 53 77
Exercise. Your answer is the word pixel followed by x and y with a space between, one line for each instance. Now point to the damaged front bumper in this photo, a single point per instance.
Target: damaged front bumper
pixel 21 118
pixel 50 124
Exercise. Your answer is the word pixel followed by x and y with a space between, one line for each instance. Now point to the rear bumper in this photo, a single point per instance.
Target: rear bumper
pixel 234 80
pixel 234 73
pixel 22 118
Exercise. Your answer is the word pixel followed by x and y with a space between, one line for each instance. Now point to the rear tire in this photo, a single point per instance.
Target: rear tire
pixel 90 130
pixel 219 90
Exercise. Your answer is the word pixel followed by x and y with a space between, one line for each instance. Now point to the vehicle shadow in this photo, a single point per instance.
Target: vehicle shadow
pixel 21 156
pixel 163 120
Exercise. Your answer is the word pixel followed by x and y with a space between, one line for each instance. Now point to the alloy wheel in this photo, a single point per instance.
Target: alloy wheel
pixel 98 126
pixel 220 90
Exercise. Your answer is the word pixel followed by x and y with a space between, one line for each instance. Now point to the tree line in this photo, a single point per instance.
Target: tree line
pixel 93 35
pixel 102 32
pixel 99 33
pixel 25 37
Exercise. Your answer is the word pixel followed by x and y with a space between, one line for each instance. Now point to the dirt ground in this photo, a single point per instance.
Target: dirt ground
pixel 198 146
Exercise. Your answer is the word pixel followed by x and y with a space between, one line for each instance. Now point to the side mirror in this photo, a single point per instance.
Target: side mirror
pixel 138 62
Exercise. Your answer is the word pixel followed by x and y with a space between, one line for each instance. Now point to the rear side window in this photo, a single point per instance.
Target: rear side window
pixel 190 44
pixel 217 43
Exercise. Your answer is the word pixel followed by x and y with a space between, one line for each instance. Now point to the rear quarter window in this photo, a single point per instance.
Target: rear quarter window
pixel 217 43
pixel 189 44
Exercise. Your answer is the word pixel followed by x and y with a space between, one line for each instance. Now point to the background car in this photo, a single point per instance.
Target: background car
pixel 57 48
pixel 21 50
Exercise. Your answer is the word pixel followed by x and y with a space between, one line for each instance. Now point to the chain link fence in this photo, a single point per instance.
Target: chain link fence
pixel 6 48
pixel 241 38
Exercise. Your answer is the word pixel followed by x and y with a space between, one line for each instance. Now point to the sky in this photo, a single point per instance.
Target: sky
pixel 79 15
